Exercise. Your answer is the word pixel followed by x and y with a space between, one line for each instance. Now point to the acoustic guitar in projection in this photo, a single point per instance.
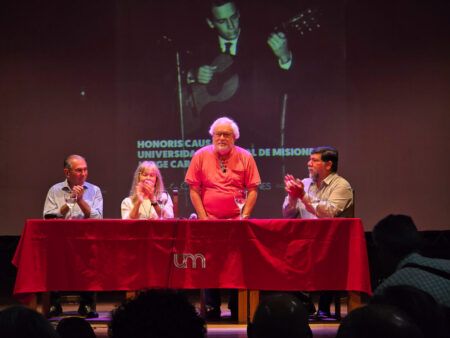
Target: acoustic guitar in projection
pixel 225 81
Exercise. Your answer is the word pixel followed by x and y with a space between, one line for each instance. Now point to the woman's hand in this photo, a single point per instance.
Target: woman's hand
pixel 146 190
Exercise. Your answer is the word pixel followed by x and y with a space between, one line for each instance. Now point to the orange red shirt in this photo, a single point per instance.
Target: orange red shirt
pixel 218 181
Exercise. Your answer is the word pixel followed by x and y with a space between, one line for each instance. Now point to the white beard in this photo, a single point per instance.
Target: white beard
pixel 314 176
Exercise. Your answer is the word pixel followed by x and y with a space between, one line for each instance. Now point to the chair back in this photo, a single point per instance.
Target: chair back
pixel 350 211
pixel 175 203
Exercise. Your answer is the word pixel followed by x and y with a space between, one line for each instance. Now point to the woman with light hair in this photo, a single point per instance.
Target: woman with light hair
pixel 145 194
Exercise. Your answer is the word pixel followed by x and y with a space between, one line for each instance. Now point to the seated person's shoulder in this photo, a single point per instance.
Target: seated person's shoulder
pixel 92 186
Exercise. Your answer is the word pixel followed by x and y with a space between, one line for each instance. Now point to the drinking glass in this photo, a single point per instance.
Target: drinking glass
pixel 162 197
pixel 240 197
pixel 71 200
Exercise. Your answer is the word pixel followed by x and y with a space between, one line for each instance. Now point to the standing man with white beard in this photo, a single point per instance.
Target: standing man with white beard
pixel 215 173
pixel 324 194
pixel 218 170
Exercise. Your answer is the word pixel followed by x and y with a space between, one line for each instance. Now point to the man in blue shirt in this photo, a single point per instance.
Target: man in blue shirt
pixel 89 200
pixel 88 204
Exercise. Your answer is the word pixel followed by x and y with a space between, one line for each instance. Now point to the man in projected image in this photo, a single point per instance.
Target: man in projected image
pixel 324 194
pixel 88 203
pixel 235 67
pixel 216 172
pixel 224 19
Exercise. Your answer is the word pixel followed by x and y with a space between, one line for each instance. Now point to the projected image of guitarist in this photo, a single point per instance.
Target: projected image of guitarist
pixel 225 20
pixel 235 70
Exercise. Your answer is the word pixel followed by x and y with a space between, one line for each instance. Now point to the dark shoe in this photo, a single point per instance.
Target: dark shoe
pixel 87 311
pixel 212 314
pixel 309 305
pixel 55 310
pixel 306 301
pixel 311 308
pixel 323 315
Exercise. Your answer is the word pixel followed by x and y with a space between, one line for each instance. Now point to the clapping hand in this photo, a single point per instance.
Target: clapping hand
pixel 294 186
pixel 146 190
pixel 78 191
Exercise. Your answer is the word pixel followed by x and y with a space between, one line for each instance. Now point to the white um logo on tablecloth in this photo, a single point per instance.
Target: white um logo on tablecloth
pixel 192 258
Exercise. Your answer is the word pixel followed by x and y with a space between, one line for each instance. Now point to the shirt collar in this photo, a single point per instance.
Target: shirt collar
pixel 66 186
pixel 329 178
pixel 233 46
pixel 411 258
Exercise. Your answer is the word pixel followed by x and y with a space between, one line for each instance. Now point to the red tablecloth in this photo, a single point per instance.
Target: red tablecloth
pixel 102 255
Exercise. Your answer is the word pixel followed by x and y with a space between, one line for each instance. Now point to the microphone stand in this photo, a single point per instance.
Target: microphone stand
pixel 180 95
pixel 282 133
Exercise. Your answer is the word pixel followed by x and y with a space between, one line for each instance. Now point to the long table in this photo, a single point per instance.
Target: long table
pixel 265 254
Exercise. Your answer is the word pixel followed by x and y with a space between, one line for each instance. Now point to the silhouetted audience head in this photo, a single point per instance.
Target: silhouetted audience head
pixel 280 315
pixel 157 313
pixel 23 322
pixel 75 327
pixel 378 321
pixel 395 237
pixel 420 307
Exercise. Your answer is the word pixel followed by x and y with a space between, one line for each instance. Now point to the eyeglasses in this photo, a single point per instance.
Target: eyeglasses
pixel 225 135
